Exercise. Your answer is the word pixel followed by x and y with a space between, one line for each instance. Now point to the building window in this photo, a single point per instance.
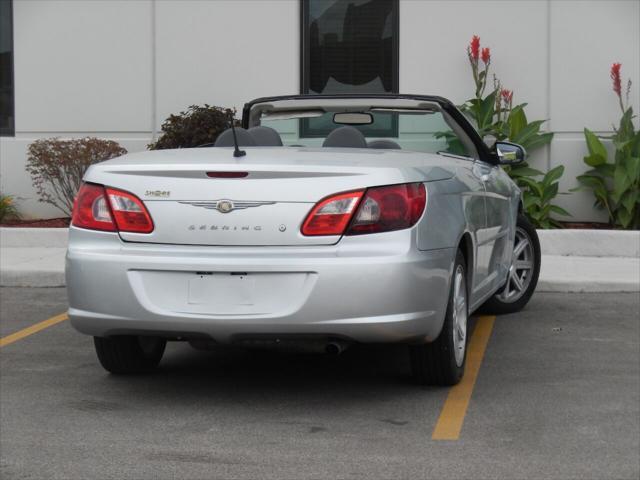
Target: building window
pixel 7 120
pixel 348 46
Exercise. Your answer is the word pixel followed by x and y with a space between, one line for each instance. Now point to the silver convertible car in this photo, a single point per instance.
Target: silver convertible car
pixel 321 222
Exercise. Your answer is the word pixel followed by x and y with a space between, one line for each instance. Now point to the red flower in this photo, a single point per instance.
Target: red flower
pixel 507 95
pixel 615 76
pixel 474 47
pixel 486 55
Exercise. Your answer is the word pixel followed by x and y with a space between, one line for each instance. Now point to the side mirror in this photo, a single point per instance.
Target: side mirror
pixel 509 153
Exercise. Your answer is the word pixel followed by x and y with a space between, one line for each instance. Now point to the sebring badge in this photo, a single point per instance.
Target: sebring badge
pixel 226 206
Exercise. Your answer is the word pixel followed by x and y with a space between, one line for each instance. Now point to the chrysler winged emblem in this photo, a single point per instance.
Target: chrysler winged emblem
pixel 226 206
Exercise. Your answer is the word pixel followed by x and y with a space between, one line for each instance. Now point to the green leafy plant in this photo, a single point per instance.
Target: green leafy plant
pixel 496 117
pixel 538 194
pixel 8 210
pixel 198 125
pixel 57 166
pixel 616 184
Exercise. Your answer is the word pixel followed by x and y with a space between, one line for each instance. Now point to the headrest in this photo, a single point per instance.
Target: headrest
pixel 265 136
pixel 347 137
pixel 225 139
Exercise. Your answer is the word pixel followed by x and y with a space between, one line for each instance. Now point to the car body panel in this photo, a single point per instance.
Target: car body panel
pixel 366 288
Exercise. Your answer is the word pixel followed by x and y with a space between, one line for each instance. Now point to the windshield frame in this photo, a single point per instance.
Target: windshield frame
pixel 252 110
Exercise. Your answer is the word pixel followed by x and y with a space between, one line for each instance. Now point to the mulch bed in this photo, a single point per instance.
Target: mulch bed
pixel 587 225
pixel 50 223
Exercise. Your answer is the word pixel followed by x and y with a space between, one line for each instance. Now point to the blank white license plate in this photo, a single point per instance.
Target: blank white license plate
pixel 221 289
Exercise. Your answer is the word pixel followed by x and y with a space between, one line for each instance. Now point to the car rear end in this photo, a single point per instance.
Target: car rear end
pixel 284 243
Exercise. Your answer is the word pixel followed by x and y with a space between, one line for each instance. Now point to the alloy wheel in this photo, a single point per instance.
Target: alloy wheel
pixel 460 313
pixel 521 268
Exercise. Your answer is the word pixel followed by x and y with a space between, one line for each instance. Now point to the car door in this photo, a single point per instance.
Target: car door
pixel 497 238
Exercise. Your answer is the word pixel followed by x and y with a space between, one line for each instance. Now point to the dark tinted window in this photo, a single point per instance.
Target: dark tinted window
pixel 349 46
pixel 6 69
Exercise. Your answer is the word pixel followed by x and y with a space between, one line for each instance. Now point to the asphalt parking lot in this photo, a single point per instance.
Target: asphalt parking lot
pixel 557 396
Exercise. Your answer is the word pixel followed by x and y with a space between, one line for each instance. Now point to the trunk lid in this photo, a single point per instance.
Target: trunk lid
pixel 264 208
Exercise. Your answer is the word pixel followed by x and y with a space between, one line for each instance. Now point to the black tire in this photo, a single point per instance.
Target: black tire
pixel 435 363
pixel 497 304
pixel 129 354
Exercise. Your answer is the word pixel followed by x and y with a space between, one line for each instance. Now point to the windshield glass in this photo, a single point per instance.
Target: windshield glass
pixel 406 129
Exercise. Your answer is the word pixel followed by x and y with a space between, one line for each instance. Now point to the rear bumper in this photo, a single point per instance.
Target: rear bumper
pixel 376 288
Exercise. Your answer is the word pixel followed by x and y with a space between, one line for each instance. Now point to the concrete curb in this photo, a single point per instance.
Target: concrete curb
pixel 573 260
pixel 590 243
pixel 15 237
pixel 561 273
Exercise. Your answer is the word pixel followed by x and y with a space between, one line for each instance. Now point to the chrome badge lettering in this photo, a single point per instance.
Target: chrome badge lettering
pixel 157 193
pixel 227 228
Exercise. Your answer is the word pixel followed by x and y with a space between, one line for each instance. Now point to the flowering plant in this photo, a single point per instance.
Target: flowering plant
pixel 8 208
pixel 495 116
pixel 616 185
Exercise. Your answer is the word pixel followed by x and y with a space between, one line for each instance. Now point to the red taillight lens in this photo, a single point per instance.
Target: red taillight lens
pixel 332 215
pixel 394 207
pixel 378 209
pixel 91 210
pixel 227 174
pixel 108 209
pixel 129 212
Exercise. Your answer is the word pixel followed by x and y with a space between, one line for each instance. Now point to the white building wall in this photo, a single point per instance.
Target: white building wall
pixel 116 69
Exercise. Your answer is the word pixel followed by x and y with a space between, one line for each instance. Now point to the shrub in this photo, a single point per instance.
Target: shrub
pixel 193 128
pixel 57 166
pixel 8 210
pixel 616 185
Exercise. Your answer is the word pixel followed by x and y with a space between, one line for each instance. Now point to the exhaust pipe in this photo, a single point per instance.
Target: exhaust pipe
pixel 335 347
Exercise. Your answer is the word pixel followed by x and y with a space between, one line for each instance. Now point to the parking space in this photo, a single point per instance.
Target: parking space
pixel 557 395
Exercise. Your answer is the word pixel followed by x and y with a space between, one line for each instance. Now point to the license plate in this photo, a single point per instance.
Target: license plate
pixel 221 289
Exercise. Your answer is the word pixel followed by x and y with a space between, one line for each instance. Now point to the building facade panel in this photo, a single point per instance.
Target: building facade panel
pixel 82 66
pixel 225 52
pixel 117 69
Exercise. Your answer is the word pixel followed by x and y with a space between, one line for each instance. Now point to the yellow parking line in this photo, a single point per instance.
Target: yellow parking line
pixel 455 407
pixel 25 332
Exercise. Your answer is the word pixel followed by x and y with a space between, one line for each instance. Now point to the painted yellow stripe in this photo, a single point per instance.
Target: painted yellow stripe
pixel 25 332
pixel 455 407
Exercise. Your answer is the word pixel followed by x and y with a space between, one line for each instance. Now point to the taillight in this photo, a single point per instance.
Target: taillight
pixel 90 209
pixel 384 209
pixel 129 212
pixel 109 209
pixel 376 210
pixel 332 215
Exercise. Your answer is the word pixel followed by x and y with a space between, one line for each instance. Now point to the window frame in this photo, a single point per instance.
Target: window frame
pixel 11 130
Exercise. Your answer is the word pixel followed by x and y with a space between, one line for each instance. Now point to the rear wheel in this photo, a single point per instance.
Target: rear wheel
pixel 129 353
pixel 523 272
pixel 442 362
